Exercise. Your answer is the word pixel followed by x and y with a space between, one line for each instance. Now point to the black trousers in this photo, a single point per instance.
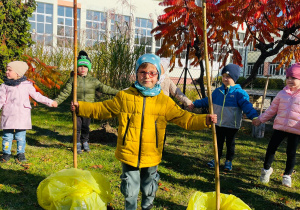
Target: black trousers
pixel 83 129
pixel 227 134
pixel 291 148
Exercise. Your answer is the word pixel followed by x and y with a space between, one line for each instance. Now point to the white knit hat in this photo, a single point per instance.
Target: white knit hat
pixel 165 62
pixel 20 67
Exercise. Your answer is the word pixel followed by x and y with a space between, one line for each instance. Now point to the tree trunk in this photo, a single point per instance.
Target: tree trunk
pixel 254 71
pixel 200 80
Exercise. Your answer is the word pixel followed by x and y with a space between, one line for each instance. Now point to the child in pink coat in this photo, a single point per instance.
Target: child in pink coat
pixel 16 113
pixel 286 107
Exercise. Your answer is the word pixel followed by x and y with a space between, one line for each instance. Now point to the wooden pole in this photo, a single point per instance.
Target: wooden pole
pixel 264 95
pixel 75 87
pixel 211 111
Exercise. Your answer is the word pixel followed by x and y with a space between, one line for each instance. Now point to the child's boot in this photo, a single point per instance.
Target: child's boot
pixel 5 158
pixel 287 180
pixel 21 157
pixel 211 164
pixel 228 165
pixel 79 151
pixel 265 175
pixel 86 147
pixel 148 208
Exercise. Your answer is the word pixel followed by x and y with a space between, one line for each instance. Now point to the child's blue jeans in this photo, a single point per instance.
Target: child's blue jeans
pixel 8 136
pixel 134 179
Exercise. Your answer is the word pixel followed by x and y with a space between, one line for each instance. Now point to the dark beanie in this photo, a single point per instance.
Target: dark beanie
pixel 232 70
pixel 84 60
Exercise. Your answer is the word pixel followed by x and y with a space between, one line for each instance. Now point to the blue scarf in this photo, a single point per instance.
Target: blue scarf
pixel 148 91
pixel 12 82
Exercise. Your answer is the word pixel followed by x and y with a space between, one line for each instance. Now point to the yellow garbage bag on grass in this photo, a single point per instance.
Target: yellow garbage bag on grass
pixel 74 189
pixel 207 201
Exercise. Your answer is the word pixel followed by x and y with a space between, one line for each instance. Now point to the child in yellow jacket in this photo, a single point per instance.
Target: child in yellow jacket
pixel 143 111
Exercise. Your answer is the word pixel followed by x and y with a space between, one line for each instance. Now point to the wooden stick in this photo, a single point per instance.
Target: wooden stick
pixel 211 111
pixel 265 93
pixel 75 88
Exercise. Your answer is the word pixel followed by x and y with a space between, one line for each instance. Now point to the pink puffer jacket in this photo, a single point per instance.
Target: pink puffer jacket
pixel 287 107
pixel 14 100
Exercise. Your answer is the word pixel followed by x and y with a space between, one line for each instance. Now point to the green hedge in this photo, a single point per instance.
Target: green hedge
pixel 260 83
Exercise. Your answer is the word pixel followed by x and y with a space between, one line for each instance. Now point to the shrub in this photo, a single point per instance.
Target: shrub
pixel 261 82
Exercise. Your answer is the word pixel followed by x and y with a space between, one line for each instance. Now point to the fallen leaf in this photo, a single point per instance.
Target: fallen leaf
pixel 159 184
pixel 166 189
pixel 96 166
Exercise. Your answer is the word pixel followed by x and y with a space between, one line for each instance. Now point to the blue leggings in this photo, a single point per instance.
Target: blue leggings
pixel 134 179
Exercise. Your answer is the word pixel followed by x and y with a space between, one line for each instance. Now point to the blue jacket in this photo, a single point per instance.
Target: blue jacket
pixel 229 107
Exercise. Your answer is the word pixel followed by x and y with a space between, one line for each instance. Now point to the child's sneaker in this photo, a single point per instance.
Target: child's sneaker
pixel 21 157
pixel 228 165
pixel 5 158
pixel 287 180
pixel 86 147
pixel 265 175
pixel 211 164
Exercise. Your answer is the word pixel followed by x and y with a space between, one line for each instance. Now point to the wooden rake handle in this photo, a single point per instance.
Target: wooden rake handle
pixel 211 111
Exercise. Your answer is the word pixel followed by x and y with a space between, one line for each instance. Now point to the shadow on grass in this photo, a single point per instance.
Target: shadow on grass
pixel 168 204
pixel 21 189
pixel 49 134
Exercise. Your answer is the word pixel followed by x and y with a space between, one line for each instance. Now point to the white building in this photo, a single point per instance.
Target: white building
pixel 52 23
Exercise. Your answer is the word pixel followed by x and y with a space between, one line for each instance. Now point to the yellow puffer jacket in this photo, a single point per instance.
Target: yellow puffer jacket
pixel 142 124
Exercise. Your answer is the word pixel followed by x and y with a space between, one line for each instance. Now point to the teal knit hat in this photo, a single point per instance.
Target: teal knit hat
pixel 84 60
pixel 149 58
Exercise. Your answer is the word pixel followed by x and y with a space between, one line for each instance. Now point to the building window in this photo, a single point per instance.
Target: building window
pixel 260 71
pixel 274 71
pixel 143 36
pixel 42 24
pixel 158 44
pixel 65 26
pixel 120 25
pixel 95 27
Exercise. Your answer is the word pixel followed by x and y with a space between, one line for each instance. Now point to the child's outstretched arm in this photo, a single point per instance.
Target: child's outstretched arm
pixel 99 110
pixel 201 103
pixel 64 94
pixel 106 89
pixel 37 96
pixel 245 105
pixel 187 120
pixel 176 92
pixel 271 111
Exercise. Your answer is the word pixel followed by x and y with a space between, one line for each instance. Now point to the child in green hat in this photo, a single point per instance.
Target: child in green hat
pixel 87 85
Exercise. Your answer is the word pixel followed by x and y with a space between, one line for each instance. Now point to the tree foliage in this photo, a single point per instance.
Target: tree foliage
pixel 41 74
pixel 14 29
pixel 271 26
pixel 182 24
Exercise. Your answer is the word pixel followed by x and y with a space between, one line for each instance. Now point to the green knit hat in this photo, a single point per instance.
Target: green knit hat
pixel 84 60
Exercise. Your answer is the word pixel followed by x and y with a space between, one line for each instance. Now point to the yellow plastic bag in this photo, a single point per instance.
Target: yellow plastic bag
pixel 74 189
pixel 207 201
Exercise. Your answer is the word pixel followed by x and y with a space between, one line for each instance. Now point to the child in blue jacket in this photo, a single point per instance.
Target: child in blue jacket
pixel 229 102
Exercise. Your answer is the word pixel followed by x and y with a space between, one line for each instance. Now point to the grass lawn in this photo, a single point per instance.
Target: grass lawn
pixel 183 169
